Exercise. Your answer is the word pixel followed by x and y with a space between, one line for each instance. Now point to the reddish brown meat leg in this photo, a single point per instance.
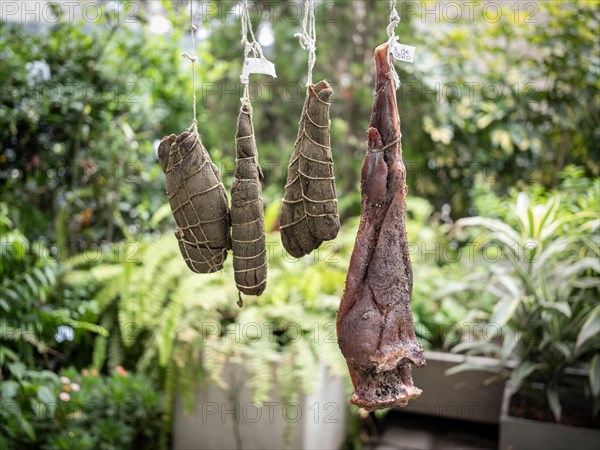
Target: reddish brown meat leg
pixel 375 324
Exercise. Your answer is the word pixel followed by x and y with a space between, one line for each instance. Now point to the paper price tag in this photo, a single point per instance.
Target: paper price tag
pixel 257 65
pixel 403 52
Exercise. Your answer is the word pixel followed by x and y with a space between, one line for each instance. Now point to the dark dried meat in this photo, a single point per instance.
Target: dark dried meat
pixel 309 213
pixel 198 201
pixel 375 323
pixel 247 213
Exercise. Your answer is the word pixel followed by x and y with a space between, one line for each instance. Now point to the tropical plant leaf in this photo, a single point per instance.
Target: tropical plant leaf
pixel 504 310
pixel 562 307
pixel 480 346
pixel 554 402
pixel 552 227
pixel 504 232
pixel 28 429
pixel 509 342
pixel 590 328
pixel 520 374
pixel 468 366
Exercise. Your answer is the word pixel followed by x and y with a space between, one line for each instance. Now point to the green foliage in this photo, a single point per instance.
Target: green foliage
pixel 176 317
pixel 77 159
pixel 31 315
pixel 79 410
pixel 77 142
pixel 190 329
pixel 544 279
pixel 514 106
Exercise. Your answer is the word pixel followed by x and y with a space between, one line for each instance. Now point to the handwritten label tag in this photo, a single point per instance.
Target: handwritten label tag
pixel 403 52
pixel 257 65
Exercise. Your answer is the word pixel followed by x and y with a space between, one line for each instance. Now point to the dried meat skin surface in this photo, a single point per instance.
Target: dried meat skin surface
pixel 375 323
pixel 198 201
pixel 247 213
pixel 309 212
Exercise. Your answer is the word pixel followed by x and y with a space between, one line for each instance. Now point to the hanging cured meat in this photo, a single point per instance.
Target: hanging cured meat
pixel 375 323
pixel 198 201
pixel 247 214
pixel 309 213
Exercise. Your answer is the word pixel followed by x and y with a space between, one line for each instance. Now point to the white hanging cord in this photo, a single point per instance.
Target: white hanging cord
pixel 308 37
pixel 250 45
pixel 193 58
pixel 392 39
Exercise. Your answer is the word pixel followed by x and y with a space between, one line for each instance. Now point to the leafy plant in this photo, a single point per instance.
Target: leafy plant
pixel 79 410
pixel 80 110
pixel 543 274
pixel 190 326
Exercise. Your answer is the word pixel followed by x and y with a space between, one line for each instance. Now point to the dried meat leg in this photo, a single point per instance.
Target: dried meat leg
pixel 247 214
pixel 309 212
pixel 198 201
pixel 375 323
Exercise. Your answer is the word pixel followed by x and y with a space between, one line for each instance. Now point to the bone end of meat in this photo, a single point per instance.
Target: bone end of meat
pixel 390 389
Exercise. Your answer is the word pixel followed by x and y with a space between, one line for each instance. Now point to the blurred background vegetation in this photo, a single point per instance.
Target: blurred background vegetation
pixel 91 278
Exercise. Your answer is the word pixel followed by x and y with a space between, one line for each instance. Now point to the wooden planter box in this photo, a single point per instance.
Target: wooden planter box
pixel 523 434
pixel 317 421
pixel 462 396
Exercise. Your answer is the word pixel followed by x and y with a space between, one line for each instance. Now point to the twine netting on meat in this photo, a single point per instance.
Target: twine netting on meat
pixel 198 202
pixel 309 213
pixel 247 212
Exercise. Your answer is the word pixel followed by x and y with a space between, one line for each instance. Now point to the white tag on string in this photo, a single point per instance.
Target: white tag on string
pixel 403 52
pixel 257 65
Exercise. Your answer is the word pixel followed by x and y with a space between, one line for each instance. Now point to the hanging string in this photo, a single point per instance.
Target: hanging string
pixel 308 37
pixel 193 58
pixel 250 45
pixel 392 38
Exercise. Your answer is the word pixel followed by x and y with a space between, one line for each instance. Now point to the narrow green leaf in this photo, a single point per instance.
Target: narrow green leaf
pixel 531 232
pixel 552 208
pixel 586 282
pixel 510 235
pixel 480 346
pixel 504 310
pixel 467 366
pixel 520 374
pixel 553 226
pixel 562 348
pixel 554 402
pixel 562 307
pixel 590 328
pixel 509 342
pixel 28 429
